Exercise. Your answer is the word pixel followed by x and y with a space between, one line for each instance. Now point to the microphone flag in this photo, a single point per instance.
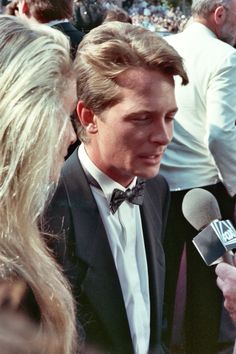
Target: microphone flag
pixel 214 240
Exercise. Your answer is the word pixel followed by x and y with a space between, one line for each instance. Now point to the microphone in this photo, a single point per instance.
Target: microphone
pixel 216 238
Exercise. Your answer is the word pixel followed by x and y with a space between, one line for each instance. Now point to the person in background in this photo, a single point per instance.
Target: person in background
pixel 112 233
pixel 88 14
pixel 11 8
pixel 37 96
pixel 202 154
pixel 115 13
pixel 54 13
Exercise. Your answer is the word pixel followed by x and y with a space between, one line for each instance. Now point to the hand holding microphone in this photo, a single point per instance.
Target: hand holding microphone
pixel 217 237
pixel 214 242
pixel 226 281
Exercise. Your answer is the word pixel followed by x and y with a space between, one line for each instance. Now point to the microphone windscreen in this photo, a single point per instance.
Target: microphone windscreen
pixel 200 208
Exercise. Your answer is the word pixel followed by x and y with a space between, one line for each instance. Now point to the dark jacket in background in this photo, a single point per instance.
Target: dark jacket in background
pixel 73 33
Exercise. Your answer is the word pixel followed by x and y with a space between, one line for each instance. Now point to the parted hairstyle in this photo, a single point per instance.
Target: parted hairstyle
pixel 203 8
pixel 111 49
pixel 35 69
pixel 49 10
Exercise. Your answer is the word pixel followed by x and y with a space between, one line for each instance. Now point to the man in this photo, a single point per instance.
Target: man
pixel 112 249
pixel 202 154
pixel 55 13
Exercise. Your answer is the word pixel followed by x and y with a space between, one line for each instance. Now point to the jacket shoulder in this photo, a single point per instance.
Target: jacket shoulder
pixel 158 183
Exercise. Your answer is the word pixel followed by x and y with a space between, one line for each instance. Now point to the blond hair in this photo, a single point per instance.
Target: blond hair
pixel 111 49
pixel 35 68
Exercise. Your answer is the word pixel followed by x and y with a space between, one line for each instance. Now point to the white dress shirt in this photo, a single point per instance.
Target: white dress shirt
pixel 203 149
pixel 57 22
pixel 125 236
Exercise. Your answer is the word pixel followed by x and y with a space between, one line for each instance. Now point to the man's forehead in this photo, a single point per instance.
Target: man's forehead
pixel 132 77
pixel 142 80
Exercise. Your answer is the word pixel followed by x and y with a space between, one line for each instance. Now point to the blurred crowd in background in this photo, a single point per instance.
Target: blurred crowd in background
pixel 157 16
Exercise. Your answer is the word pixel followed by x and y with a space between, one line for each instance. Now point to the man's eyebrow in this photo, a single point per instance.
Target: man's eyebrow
pixel 136 113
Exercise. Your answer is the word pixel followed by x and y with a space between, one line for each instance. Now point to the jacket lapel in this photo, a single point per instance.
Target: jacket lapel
pixel 152 228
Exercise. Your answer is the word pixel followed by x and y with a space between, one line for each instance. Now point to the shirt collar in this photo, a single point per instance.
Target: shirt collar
pixel 56 22
pixel 106 183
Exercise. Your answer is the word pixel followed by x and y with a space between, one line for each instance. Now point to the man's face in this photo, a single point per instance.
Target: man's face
pixel 228 31
pixel 132 135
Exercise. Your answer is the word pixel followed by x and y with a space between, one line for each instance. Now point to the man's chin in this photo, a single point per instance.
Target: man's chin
pixel 149 174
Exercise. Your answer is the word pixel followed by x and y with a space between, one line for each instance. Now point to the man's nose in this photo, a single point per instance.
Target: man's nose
pixel 162 133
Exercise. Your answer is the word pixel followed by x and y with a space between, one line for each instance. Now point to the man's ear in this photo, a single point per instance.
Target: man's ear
pixel 220 14
pixel 24 8
pixel 87 118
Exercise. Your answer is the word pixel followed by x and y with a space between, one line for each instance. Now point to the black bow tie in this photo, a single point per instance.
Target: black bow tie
pixel 134 195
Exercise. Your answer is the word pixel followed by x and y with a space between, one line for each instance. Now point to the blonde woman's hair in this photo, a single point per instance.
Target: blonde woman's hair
pixel 35 69
pixel 111 49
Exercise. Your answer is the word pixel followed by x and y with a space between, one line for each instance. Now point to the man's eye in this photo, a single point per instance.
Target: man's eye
pixel 170 118
pixel 141 118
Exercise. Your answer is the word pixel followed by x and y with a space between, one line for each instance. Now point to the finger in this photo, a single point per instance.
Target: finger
pixel 220 283
pixel 224 270
pixel 230 307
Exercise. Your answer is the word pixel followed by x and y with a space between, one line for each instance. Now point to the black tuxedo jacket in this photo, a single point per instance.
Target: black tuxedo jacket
pixel 84 252
pixel 73 33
